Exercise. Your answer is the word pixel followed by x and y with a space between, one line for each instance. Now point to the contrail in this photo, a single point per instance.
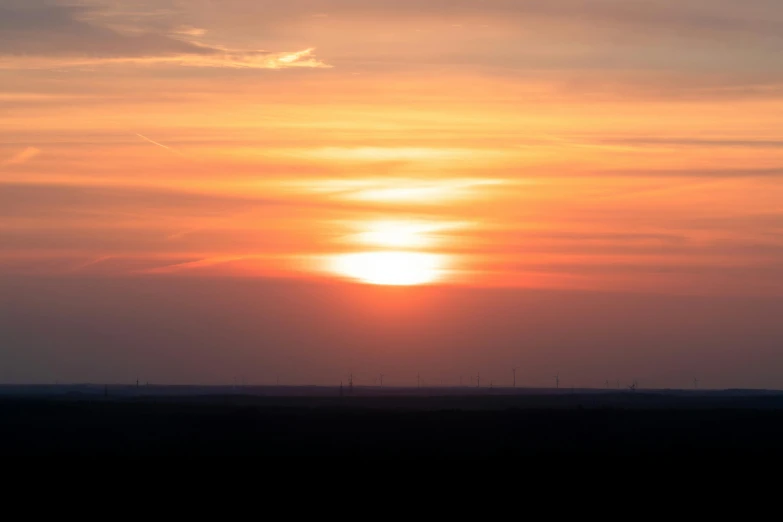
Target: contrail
pixel 159 144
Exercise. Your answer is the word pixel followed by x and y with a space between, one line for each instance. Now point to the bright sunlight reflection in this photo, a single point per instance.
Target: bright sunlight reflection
pixel 390 268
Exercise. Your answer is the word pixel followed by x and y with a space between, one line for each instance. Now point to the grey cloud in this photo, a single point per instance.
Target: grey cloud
pixel 59 30
pixel 43 33
pixel 759 17
pixel 688 49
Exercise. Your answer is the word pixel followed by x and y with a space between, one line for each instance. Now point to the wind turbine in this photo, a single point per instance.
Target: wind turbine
pixel 557 381
pixel 478 380
pixel 695 384
pixel 382 376
pixel 514 371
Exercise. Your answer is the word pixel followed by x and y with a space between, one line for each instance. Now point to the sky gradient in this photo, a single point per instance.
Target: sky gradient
pixel 502 152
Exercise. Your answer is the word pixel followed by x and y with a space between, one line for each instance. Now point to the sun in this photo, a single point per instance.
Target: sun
pixel 390 268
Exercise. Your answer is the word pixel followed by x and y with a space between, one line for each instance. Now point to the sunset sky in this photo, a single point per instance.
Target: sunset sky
pixel 193 190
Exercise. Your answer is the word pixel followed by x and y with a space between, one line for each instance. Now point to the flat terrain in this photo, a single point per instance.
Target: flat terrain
pixel 384 422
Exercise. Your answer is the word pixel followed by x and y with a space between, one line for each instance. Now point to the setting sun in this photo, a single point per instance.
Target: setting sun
pixel 390 268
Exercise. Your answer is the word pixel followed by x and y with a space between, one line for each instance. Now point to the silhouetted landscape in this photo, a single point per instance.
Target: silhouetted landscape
pixel 279 421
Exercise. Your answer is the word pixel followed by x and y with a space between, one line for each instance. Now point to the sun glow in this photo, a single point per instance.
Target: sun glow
pixel 402 234
pixel 403 190
pixel 390 268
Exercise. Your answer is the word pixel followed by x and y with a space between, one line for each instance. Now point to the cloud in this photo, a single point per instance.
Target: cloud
pixel 91 263
pixel 697 173
pixel 187 30
pixel 40 199
pixel 725 173
pixel 755 18
pixel 694 142
pixel 21 157
pixel 44 35
pixel 190 265
pixel 219 58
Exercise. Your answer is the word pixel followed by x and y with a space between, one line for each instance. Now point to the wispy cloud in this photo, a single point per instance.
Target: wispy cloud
pixel 42 35
pixel 21 157
pixel 248 59
pixel 201 263
pixel 187 30
pixel 91 262
pixel 402 190
pixel 225 58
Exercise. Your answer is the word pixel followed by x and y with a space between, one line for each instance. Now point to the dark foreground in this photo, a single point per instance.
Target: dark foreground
pixel 384 426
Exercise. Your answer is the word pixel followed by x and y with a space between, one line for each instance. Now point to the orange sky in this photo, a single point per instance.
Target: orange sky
pixel 617 147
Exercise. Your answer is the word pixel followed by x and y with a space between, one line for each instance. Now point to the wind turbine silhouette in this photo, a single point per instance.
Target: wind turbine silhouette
pixel 557 381
pixel 514 371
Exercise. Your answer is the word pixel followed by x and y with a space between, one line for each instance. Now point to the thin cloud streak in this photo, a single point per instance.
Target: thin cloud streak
pixel 190 265
pixel 21 157
pixel 92 262
pixel 223 58
pixel 145 138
